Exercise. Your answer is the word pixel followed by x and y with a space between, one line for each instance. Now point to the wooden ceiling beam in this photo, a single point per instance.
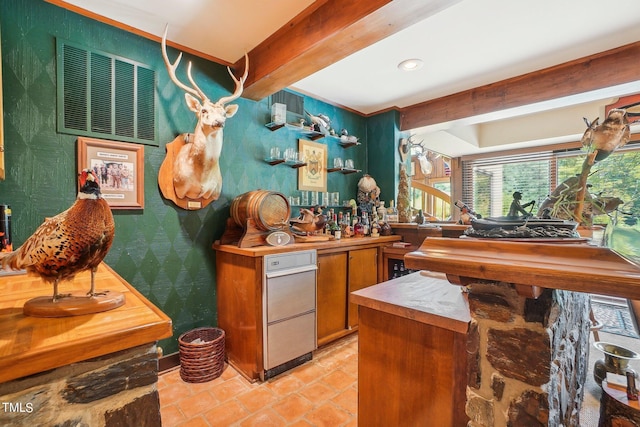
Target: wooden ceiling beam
pixel 606 69
pixel 325 33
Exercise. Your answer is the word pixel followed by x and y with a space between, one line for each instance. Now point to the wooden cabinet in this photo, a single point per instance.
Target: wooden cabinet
pixel 332 296
pixel 363 272
pixel 343 265
pixel 339 274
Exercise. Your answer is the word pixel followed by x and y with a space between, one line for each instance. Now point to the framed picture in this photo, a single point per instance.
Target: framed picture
pixel 119 167
pixel 313 176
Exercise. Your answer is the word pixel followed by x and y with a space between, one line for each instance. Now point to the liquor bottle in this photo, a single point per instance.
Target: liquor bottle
pixel 366 223
pixel 358 228
pixel 335 228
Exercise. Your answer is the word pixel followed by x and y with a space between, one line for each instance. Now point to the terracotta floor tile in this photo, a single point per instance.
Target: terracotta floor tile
pixel 257 398
pixel 339 379
pixel 322 392
pixel 317 391
pixel 292 407
pixel 308 373
pixel 264 418
pixel 301 423
pixel 171 415
pixel 197 404
pixel 174 393
pixel 348 400
pixel 328 415
pixel 229 389
pixel 226 414
pixel 193 422
pixel 285 385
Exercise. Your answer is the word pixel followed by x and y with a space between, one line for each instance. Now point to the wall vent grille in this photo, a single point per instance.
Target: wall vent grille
pixel 294 103
pixel 105 96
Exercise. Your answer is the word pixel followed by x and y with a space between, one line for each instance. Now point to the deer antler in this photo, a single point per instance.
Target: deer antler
pixel 239 82
pixel 171 68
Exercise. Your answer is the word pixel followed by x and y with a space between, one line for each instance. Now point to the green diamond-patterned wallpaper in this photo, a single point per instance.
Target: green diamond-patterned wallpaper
pixel 164 251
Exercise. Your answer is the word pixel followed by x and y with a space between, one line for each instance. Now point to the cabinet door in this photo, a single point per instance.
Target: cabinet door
pixel 363 272
pixel 332 295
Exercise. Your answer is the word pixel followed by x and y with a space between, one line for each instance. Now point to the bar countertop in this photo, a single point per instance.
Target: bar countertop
pixel 29 345
pixel 342 244
pixel 423 296
pixel 568 266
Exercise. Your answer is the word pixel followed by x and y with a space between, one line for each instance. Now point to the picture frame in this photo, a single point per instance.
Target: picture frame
pixel 119 167
pixel 312 176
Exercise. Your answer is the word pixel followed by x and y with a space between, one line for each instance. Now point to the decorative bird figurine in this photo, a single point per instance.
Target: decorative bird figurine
pixel 309 222
pixel 321 120
pixel 612 134
pixel 75 240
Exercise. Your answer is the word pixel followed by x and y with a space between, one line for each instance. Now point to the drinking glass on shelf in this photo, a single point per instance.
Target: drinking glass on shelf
pixel 291 155
pixel 338 163
pixel 314 198
pixel 304 197
pixel 325 199
pixel 348 163
pixel 335 198
pixel 275 152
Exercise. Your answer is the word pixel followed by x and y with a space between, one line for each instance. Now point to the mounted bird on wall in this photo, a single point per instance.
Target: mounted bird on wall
pixel 73 241
pixel 190 173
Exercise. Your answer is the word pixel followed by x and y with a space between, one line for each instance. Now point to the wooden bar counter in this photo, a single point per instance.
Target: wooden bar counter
pixel 30 345
pixel 412 358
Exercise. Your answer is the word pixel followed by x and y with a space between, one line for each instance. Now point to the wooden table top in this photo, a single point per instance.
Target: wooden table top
pixel 620 394
pixel 29 345
pixel 423 296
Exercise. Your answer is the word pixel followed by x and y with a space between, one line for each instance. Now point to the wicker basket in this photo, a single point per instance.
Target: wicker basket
pixel 201 362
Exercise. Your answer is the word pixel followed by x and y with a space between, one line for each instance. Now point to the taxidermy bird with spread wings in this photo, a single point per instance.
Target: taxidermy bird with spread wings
pixel 75 240
pixel 612 134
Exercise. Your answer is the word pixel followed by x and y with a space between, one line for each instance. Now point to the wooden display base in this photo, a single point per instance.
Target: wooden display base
pixel 165 177
pixel 248 236
pixel 76 304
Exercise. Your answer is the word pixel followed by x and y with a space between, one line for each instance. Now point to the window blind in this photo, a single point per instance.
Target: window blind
pixel 489 183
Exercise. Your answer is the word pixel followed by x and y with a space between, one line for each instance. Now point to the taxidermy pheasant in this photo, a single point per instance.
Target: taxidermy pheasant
pixel 612 134
pixel 75 240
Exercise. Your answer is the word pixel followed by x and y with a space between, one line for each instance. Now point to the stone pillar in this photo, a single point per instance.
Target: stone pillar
pixel 115 390
pixel 527 357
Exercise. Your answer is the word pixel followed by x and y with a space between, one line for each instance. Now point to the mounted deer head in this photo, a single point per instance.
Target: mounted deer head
pixel 196 172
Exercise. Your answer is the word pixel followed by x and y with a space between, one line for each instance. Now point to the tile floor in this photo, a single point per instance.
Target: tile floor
pixel 322 392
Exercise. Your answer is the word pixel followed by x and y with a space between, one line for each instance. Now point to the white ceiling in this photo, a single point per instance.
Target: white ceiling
pixel 470 44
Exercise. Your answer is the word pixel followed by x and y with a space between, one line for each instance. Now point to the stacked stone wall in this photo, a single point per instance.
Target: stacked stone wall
pixel 116 390
pixel 527 357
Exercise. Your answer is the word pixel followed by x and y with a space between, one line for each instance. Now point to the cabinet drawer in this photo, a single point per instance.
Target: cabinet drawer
pixel 290 338
pixel 291 260
pixel 290 295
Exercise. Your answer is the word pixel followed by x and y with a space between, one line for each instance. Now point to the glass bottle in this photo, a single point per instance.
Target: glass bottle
pixel 366 223
pixel 358 228
pixel 335 228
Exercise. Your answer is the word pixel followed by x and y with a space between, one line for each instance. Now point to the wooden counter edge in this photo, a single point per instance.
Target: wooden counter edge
pixel 577 268
pixel 342 244
pixel 362 299
pixel 56 356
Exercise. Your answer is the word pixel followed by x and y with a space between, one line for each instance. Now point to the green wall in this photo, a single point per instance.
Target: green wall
pixel 164 251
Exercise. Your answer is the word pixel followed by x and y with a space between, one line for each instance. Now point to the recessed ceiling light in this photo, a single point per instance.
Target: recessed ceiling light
pixel 411 64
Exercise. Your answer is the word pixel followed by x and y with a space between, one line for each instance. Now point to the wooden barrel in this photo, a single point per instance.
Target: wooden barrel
pixel 268 209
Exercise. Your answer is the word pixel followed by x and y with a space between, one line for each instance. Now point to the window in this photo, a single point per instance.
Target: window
pixel 489 183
